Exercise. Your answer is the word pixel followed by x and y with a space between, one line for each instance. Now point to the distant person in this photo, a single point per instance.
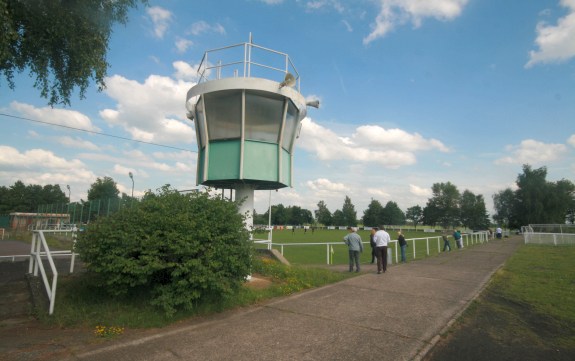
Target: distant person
pixel 381 239
pixel 355 247
pixel 499 233
pixel 402 246
pixel 446 245
pixel 372 244
pixel 458 240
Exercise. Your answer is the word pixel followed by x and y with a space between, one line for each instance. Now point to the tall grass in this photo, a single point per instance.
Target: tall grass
pixel 82 304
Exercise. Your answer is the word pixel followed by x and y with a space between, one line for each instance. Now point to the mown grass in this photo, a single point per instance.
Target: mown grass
pixel 540 280
pixel 526 313
pixel 318 254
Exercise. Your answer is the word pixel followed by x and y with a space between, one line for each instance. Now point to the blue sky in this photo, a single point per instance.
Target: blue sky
pixel 412 93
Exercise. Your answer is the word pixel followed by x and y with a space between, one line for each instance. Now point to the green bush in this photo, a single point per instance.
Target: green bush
pixel 180 247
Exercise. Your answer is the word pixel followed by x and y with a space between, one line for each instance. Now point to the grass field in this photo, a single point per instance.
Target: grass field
pixel 526 313
pixel 318 254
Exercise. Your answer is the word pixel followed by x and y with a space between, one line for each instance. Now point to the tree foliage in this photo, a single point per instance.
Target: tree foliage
pixel 415 214
pixel 348 212
pixel 392 214
pixel 103 188
pixel 373 215
pixel 473 213
pixel 26 198
pixel 536 200
pixel 62 43
pixel 443 207
pixel 323 215
pixel 503 202
pixel 180 247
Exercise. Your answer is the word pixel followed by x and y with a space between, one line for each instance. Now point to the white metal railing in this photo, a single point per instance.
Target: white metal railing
pixel 40 249
pixel 556 239
pixel 468 238
pixel 242 59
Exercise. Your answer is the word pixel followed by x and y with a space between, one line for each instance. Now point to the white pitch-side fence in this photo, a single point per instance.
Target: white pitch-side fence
pixel 532 236
pixel 468 239
pixel 40 250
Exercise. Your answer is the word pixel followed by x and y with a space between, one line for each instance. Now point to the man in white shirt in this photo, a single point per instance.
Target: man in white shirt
pixel 381 238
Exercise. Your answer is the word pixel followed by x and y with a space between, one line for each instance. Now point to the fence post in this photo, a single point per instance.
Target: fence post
pixel 427 245
pixel 414 249
pixel 327 252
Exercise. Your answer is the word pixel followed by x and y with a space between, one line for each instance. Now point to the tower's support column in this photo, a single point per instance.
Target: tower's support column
pixel 245 192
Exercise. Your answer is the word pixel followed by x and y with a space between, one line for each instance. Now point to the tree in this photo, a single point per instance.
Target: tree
pixel 299 216
pixel 279 214
pixel 170 248
pixel 322 214
pixel 445 204
pixel 529 205
pixel 373 215
pixel 63 43
pixel 27 198
pixel 103 188
pixel 392 214
pixel 538 201
pixel 503 202
pixel 348 212
pixel 338 219
pixel 473 212
pixel 415 214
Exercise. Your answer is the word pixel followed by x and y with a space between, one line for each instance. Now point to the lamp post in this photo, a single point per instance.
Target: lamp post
pixel 69 192
pixel 132 177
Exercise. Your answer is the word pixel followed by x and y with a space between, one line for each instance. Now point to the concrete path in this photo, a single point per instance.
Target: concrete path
pixel 393 316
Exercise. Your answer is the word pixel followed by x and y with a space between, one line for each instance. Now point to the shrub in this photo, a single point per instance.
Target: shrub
pixel 181 247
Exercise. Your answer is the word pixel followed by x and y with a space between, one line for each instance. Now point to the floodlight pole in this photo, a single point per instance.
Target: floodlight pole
pixel 132 177
pixel 69 193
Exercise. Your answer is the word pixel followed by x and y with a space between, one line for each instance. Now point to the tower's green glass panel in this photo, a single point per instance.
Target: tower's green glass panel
pixel 224 160
pixel 261 161
pixel 286 168
pixel 201 165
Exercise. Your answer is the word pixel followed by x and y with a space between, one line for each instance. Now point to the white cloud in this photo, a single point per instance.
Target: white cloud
pixel 185 71
pixel 201 27
pixel 77 143
pixel 532 152
pixel 320 4
pixel 556 43
pixel 391 148
pixel 152 111
pixel 272 2
pixel 347 25
pixel 183 44
pixel 571 140
pixel 322 184
pixel 161 19
pixel 65 117
pixel 419 191
pixel 43 159
pixel 378 192
pixel 399 12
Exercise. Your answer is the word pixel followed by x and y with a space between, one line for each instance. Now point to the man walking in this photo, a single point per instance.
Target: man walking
pixel 353 241
pixel 381 238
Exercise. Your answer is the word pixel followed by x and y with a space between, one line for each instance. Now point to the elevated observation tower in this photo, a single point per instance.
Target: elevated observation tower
pixel 247 109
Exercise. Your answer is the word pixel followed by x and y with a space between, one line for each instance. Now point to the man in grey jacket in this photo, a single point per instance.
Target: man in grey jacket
pixel 355 246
